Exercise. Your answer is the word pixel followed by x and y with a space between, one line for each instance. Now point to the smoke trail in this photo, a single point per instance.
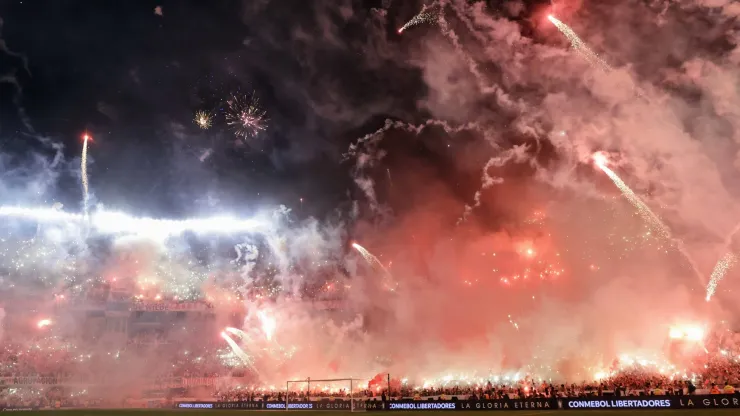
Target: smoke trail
pixel 365 152
pixel 720 270
pixel 517 154
pixel 83 169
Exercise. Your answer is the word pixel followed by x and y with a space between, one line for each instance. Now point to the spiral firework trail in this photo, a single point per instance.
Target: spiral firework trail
pixel 83 170
pixel 720 270
pixel 579 45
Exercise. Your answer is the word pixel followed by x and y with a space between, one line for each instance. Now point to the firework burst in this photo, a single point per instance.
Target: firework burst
pixel 246 116
pixel 203 119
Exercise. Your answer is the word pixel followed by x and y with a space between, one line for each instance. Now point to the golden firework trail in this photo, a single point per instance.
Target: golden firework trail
pixel 203 119
pixel 369 257
pixel 647 215
pixel 83 170
pixel 374 262
pixel 428 14
pixel 642 209
pixel 720 270
pixel 579 45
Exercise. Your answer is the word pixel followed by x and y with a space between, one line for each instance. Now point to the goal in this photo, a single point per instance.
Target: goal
pixel 308 381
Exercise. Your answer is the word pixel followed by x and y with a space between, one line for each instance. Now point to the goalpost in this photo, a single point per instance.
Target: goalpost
pixel 331 380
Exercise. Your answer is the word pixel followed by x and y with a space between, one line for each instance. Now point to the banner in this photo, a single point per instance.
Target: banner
pixel 29 381
pixel 19 409
pixel 170 306
pixel 467 405
pixel 275 405
pixel 611 403
pixel 714 401
pixel 728 401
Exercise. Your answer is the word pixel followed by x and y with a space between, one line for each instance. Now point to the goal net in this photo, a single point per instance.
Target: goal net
pixel 336 387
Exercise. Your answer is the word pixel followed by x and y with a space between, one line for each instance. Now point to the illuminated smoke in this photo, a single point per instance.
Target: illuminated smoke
pixel 691 333
pixel 579 45
pixel 111 222
pixel 720 270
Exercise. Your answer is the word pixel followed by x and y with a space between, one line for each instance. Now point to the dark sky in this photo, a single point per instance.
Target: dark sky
pixel 326 71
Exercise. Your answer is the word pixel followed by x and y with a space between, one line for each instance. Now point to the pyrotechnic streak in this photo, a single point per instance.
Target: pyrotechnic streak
pixel 83 170
pixel 579 45
pixel 203 119
pixel 720 270
pixel 373 261
pixel 246 116
pixel 653 221
pixel 117 222
pixel 43 323
pixel 239 333
pixel 428 14
pixel 237 350
pixel 642 209
pixel 268 323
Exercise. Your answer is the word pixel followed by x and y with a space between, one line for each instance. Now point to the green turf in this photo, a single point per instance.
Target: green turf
pixel 171 412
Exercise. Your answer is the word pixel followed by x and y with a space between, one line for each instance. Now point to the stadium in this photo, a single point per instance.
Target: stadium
pixel 506 206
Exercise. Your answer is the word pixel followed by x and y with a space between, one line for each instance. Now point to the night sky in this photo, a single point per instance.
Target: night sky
pixel 325 72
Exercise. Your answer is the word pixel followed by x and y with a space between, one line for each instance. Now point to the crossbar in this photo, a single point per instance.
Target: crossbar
pixel 309 380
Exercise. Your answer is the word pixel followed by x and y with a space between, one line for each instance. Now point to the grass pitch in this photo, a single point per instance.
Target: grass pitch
pixel 597 412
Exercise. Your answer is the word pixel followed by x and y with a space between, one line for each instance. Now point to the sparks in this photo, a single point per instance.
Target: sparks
pixel 203 119
pixel 579 45
pixel 375 263
pixel 246 116
pixel 642 209
pixel 268 323
pixel 720 270
pixel 428 14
